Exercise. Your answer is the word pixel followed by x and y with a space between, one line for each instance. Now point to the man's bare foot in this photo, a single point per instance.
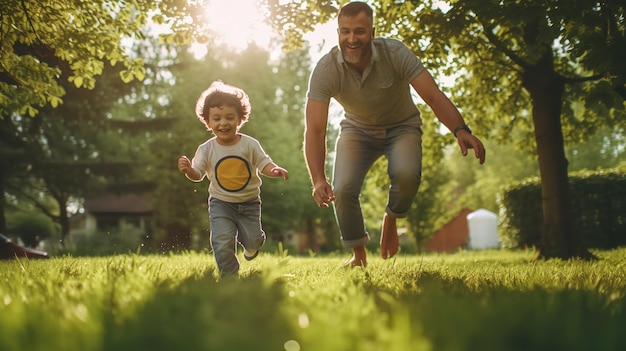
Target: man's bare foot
pixel 389 242
pixel 354 262
pixel 358 259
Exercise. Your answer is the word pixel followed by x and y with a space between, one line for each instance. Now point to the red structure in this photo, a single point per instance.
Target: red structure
pixel 452 236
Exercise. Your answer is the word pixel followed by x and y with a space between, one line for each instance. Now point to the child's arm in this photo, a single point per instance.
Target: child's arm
pixel 272 170
pixel 184 166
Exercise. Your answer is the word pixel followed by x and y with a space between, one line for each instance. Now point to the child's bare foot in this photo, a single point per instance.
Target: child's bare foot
pixel 389 242
pixel 358 259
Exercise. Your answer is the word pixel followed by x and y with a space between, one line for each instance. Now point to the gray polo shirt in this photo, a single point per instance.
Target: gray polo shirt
pixel 380 98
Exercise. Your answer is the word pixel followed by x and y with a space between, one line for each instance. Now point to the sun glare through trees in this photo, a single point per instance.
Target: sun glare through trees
pixel 237 24
pixel 242 22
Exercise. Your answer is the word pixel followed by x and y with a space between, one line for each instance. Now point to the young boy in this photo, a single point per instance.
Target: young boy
pixel 232 162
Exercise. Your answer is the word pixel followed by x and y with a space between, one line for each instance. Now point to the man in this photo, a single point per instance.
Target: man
pixel 370 78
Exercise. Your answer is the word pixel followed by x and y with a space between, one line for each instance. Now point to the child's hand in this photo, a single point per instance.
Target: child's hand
pixel 279 171
pixel 184 164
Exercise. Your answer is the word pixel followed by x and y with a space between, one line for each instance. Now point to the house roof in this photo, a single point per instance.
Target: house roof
pixel 129 203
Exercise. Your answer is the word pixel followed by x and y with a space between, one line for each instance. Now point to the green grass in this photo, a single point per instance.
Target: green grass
pixel 493 300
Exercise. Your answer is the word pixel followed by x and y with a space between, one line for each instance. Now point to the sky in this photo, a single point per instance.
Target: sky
pixel 239 22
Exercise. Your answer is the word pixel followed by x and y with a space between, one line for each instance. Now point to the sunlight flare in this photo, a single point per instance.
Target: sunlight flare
pixel 237 23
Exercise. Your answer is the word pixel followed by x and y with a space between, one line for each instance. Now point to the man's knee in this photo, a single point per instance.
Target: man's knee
pixel 406 180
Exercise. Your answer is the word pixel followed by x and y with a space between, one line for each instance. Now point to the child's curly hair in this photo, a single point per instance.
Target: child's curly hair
pixel 220 94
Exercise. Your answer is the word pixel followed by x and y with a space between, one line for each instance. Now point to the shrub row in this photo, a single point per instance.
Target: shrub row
pixel 598 209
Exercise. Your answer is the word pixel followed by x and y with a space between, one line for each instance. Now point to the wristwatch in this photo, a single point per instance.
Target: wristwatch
pixel 461 127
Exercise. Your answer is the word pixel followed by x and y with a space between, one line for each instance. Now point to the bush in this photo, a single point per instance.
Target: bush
pixel 521 214
pixel 31 227
pixel 598 208
pixel 103 243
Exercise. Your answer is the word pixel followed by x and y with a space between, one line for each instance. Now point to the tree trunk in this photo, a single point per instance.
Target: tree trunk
pixel 3 219
pixel 559 238
pixel 64 222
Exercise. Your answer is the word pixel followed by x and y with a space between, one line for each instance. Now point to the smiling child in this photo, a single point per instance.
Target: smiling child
pixel 232 162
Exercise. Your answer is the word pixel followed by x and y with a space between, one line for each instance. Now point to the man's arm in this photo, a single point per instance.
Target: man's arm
pixel 316 119
pixel 444 109
pixel 447 113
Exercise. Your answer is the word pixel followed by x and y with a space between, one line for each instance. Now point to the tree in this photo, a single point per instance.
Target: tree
pixel 180 205
pixel 32 228
pixel 43 42
pixel 291 207
pixel 604 150
pixel 47 45
pixel 518 65
pixel 68 152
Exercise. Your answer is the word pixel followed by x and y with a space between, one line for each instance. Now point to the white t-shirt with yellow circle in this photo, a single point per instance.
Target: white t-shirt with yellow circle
pixel 233 170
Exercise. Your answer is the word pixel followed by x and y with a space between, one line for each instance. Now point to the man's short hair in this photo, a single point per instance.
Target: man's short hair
pixel 353 8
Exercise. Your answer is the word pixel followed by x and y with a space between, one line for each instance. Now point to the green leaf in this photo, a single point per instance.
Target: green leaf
pixel 31 111
pixel 126 76
pixel 139 73
pixel 78 81
pixel 55 101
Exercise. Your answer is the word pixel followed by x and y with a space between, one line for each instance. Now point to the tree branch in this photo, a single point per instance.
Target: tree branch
pixel 30 22
pixel 500 46
pixel 6 77
pixel 34 201
pixel 583 79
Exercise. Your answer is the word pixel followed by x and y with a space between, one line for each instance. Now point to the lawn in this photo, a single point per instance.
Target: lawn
pixel 489 300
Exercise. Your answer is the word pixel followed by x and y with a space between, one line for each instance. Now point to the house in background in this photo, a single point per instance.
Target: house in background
pixel 112 213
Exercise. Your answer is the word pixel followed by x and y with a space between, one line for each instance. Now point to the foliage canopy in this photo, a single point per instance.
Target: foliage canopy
pixel 43 42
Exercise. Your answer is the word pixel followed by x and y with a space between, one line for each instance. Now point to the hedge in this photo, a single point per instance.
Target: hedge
pixel 598 209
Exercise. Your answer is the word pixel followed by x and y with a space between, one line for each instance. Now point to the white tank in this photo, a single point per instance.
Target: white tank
pixel 483 230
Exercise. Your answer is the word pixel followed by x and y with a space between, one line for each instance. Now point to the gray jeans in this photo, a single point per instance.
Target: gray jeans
pixel 356 152
pixel 233 223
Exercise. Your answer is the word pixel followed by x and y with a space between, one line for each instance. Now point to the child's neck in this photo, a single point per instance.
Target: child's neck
pixel 229 142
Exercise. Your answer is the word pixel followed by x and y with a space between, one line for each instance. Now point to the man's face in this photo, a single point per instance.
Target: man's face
pixel 355 37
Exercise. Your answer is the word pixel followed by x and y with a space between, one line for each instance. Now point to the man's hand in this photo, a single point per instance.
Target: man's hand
pixel 468 141
pixel 323 194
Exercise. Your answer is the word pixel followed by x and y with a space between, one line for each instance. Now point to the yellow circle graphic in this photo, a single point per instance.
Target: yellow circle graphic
pixel 232 173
